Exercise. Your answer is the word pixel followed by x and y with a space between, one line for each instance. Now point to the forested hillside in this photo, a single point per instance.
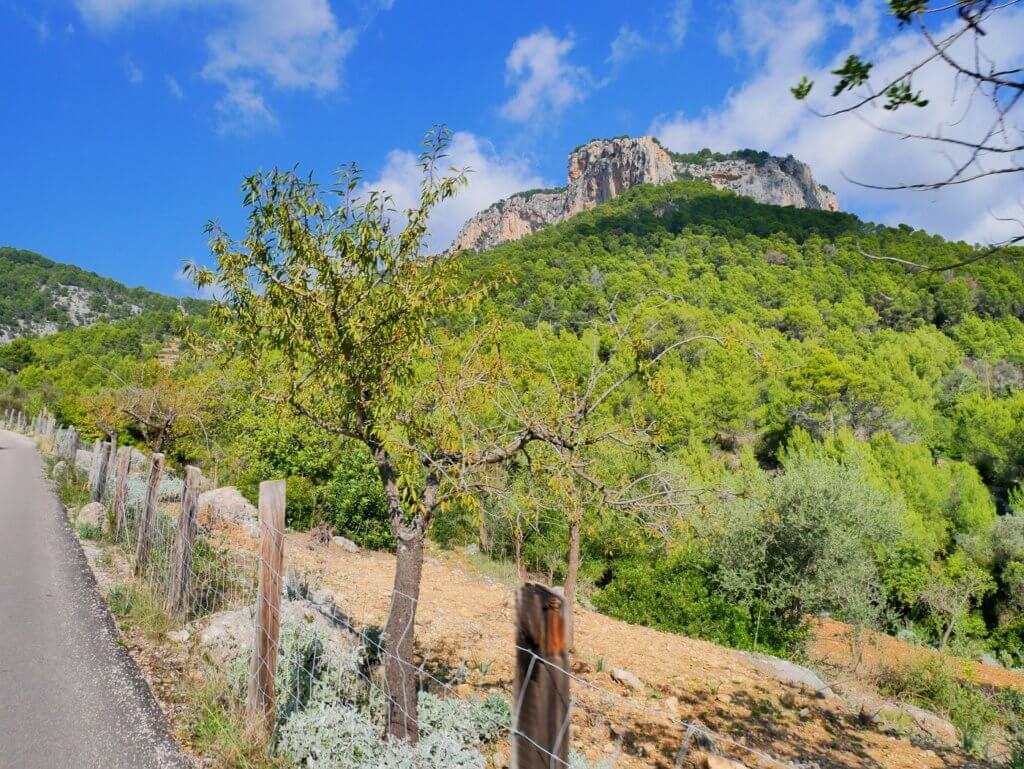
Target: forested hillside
pixel 39 296
pixel 847 437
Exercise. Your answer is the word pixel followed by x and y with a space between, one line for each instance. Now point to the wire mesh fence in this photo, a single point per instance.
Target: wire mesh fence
pixel 329 687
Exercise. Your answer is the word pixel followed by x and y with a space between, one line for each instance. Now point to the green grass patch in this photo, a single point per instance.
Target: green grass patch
pixel 216 726
pixel 139 608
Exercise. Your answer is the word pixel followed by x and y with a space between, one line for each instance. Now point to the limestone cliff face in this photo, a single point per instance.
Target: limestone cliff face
pixel 600 170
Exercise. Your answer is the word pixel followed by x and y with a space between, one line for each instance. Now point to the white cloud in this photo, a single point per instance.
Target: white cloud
pixel 287 44
pixel 174 87
pixel 492 177
pixel 242 109
pixel 543 78
pixel 132 71
pixel 678 21
pixel 627 44
pixel 782 41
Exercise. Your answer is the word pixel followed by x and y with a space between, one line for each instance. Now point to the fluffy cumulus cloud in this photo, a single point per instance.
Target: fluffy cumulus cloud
pixel 543 80
pixel 491 178
pixel 286 44
pixel 780 41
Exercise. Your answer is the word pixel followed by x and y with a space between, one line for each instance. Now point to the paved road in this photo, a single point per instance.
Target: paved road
pixel 70 697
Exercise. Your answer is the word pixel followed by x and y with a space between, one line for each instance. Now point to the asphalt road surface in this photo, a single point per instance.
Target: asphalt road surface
pixel 70 696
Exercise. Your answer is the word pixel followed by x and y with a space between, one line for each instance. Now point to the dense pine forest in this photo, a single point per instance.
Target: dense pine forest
pixel 845 435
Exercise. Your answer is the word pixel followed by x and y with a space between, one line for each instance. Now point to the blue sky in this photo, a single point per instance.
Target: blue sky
pixel 127 124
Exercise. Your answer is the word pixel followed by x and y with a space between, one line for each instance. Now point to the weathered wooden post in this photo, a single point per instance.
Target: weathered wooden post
pixel 72 443
pixel 117 507
pixel 540 718
pixel 101 472
pixel 260 701
pixel 179 587
pixel 94 466
pixel 147 524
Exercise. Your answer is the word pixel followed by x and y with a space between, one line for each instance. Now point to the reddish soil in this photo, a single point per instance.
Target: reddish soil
pixel 468 619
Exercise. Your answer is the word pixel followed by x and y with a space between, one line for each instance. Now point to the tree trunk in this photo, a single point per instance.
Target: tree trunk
pixel 571 577
pixel 400 676
pixel 517 538
pixel 947 634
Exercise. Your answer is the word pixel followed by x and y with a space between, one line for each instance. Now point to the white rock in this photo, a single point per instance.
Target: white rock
pixel 345 544
pixel 228 634
pixel 93 514
pixel 179 636
pixel 626 678
pixel 228 503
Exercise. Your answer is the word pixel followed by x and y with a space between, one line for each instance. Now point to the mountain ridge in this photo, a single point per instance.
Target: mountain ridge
pixel 39 296
pixel 605 168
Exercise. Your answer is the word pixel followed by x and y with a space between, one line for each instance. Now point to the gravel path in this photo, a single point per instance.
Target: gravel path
pixel 70 696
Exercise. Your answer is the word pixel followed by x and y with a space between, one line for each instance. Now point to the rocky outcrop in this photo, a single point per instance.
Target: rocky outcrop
pixel 601 170
pixel 778 181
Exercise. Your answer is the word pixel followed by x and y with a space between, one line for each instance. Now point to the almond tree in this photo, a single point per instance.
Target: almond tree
pixel 333 304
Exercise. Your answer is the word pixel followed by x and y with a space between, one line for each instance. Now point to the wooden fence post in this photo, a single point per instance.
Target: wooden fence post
pixel 101 471
pixel 260 700
pixel 124 461
pixel 540 717
pixel 147 525
pixel 72 443
pixel 97 449
pixel 179 587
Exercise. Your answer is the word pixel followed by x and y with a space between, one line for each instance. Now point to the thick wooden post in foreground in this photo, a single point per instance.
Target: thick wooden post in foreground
pixel 540 705
pixel 117 507
pixel 147 525
pixel 260 702
pixel 179 587
pixel 101 471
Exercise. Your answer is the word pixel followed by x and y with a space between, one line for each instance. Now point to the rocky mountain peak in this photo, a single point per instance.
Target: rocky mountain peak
pixel 604 168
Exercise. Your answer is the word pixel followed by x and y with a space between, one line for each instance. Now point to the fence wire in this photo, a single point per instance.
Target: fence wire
pixel 331 693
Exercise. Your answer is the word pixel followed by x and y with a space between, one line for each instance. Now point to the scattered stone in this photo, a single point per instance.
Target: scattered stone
pixel 988 659
pixel 789 673
pixel 179 636
pixel 724 698
pixel 228 503
pixel 936 727
pixel 626 678
pixel 706 761
pixel 228 634
pixel 93 514
pixel 345 544
pixel 672 705
pixel 322 597
pixel 83 459
pixel 59 469
pixel 472 549
pixel 805 714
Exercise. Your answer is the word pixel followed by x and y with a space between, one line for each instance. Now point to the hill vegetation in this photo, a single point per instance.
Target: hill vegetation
pixel 849 439
pixel 40 296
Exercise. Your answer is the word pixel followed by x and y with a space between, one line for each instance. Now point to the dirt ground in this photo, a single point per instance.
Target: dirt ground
pixel 831 647
pixel 467 618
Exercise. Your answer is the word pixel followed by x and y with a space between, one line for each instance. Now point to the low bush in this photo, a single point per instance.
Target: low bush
pixel 933 685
